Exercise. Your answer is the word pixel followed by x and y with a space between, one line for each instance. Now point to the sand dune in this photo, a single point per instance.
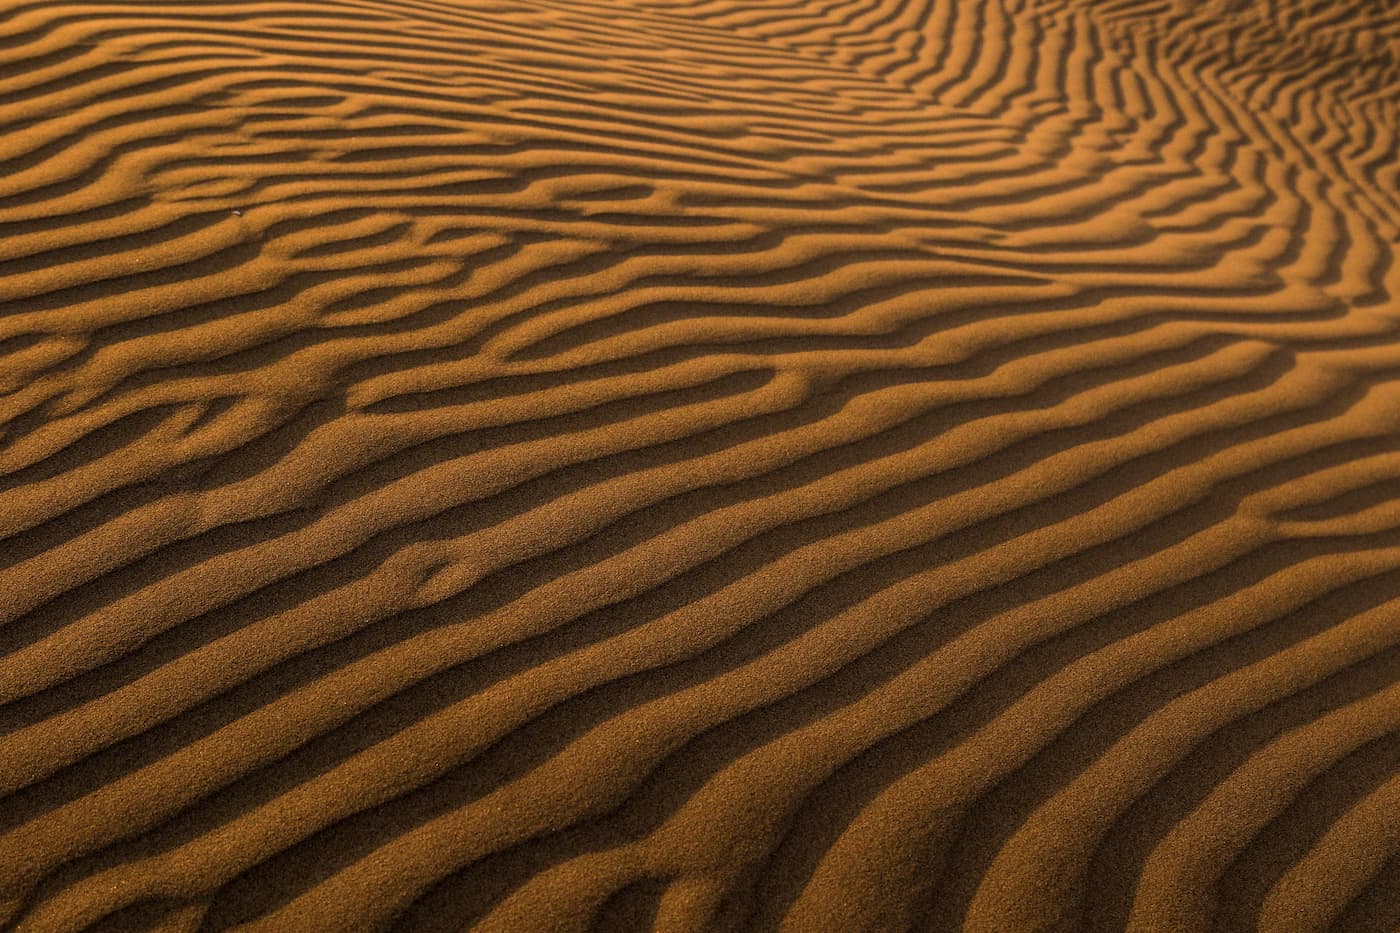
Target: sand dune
pixel 687 465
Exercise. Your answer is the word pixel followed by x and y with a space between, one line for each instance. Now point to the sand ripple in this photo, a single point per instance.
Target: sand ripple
pixel 690 465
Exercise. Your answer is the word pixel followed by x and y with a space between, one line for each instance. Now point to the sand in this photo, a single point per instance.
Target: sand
pixel 688 465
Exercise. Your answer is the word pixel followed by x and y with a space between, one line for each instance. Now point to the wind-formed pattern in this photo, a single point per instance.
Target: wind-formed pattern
pixel 536 465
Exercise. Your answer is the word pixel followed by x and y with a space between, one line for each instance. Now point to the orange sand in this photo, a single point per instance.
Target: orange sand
pixel 819 465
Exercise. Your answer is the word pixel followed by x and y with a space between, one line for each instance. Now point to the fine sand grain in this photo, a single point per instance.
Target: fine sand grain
pixel 736 465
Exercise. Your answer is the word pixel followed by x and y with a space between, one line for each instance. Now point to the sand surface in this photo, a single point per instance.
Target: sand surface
pixel 819 465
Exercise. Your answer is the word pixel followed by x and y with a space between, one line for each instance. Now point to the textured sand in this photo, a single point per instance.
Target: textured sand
pixel 693 465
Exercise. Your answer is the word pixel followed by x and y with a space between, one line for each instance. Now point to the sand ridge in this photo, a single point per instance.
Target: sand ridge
pixel 644 464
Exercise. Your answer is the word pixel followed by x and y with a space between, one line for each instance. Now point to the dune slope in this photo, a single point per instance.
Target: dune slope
pixel 691 465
